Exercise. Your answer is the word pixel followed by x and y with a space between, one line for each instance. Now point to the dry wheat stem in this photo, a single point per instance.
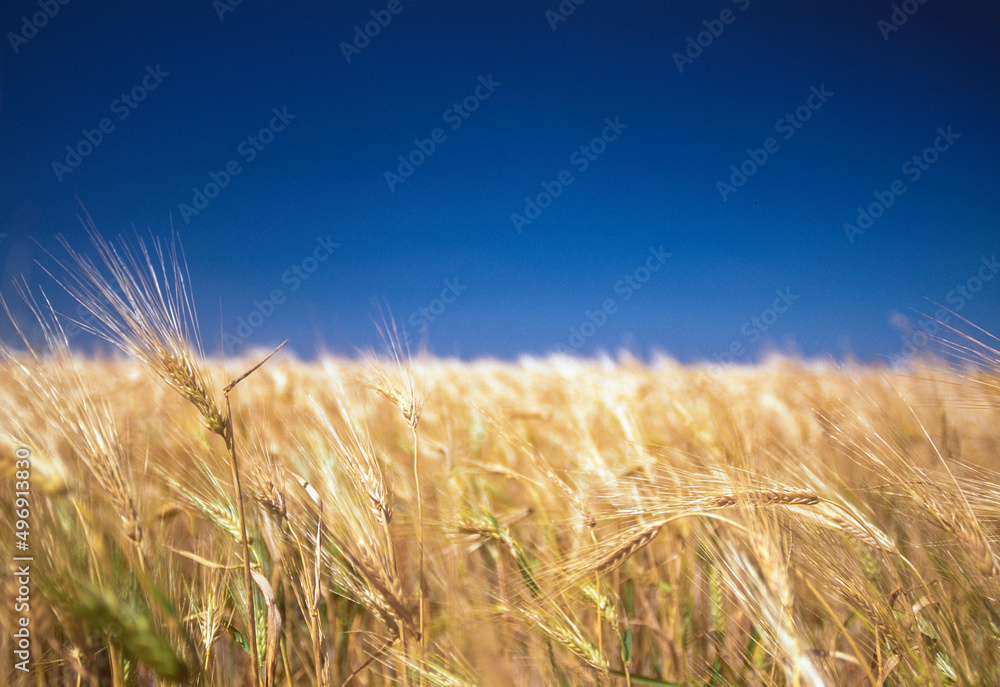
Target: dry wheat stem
pixel 247 577
pixel 247 573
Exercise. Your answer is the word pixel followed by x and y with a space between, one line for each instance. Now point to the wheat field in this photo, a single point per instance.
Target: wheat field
pixel 398 520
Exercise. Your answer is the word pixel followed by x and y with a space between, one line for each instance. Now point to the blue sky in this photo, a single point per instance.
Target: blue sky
pixel 521 178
